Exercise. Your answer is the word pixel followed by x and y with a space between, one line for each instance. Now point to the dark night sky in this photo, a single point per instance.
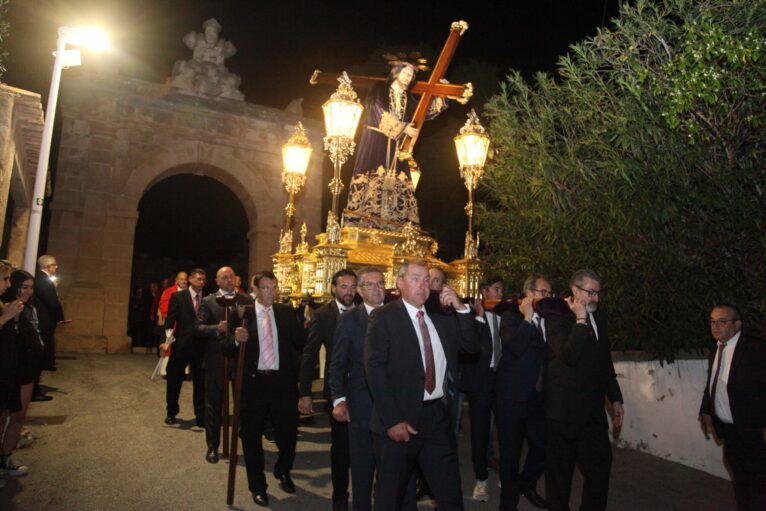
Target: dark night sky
pixel 279 43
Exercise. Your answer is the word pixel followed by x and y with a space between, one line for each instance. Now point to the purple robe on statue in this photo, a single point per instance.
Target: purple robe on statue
pixel 373 200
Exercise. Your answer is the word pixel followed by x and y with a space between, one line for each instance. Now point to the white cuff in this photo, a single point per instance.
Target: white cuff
pixel 338 401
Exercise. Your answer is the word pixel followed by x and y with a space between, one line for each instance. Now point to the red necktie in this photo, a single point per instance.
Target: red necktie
pixel 721 346
pixel 430 370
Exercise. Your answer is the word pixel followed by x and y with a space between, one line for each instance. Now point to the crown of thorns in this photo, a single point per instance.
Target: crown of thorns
pixel 414 59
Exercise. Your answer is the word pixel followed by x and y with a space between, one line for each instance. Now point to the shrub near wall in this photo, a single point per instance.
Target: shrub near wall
pixel 642 159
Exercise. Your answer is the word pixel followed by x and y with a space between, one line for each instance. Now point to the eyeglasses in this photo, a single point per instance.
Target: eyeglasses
pixel 380 283
pixel 590 292
pixel 720 322
pixel 543 292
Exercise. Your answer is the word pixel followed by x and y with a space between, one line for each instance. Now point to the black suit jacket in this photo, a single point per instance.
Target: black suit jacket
pixel 524 354
pixel 580 370
pixel 290 337
pixel 182 317
pixel 346 367
pixel 394 365
pixel 321 332
pixel 746 387
pixel 49 311
pixel 206 326
pixel 474 367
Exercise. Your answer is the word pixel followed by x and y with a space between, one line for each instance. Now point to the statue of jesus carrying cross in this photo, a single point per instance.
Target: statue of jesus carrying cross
pixel 381 193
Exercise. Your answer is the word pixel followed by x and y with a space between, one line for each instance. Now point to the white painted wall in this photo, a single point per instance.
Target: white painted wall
pixel 661 408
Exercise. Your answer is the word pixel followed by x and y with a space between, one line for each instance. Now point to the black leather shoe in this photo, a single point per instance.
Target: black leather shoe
pixel 286 483
pixel 170 420
pixel 261 498
pixel 212 456
pixel 41 397
pixel 534 498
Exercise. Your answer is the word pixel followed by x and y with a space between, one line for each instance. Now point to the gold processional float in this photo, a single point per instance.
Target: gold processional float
pixel 307 271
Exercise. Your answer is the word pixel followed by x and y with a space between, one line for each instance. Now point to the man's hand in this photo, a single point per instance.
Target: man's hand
pixel 401 432
pixel 619 415
pixel 706 422
pixel 577 306
pixel 525 307
pixel 448 296
pixel 241 334
pixel 478 306
pixel 305 405
pixel 222 327
pixel 340 412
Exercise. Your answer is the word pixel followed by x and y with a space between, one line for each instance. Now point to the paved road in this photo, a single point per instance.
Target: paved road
pixel 102 445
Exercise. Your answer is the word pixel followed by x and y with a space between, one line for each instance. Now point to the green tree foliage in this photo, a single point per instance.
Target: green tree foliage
pixel 4 30
pixel 644 160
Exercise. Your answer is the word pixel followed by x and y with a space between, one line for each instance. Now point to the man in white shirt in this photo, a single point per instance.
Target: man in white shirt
pixel 734 404
pixel 410 355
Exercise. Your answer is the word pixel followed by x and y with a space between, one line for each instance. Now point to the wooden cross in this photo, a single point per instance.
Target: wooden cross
pixel 427 90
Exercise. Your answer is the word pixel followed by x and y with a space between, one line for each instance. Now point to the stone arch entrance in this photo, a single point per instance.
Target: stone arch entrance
pixel 119 137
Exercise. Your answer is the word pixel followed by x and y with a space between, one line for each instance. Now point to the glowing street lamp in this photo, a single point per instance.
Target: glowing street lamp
pixel 295 159
pixel 94 39
pixel 341 117
pixel 472 145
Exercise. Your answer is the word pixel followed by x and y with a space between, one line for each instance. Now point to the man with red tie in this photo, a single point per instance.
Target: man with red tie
pixel 410 357
pixel 734 404
pixel 188 348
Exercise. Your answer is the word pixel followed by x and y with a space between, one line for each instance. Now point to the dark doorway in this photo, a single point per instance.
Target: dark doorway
pixel 184 222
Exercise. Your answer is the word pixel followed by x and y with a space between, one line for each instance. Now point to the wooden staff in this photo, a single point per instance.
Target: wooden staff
pixel 235 418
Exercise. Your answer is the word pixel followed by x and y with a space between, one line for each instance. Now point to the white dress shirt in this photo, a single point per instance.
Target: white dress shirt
pixel 721 399
pixel 440 359
pixel 260 312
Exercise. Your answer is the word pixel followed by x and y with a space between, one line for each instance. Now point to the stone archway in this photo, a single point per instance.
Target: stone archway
pixel 119 137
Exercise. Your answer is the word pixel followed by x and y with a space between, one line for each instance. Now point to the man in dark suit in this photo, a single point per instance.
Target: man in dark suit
pixel 188 348
pixel 580 373
pixel 213 327
pixel 520 408
pixel 269 385
pixel 352 403
pixel 478 383
pixel 321 334
pixel 410 355
pixel 49 311
pixel 734 405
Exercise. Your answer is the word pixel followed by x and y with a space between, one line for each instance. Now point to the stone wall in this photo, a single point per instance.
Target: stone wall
pixel 21 126
pixel 661 407
pixel 119 136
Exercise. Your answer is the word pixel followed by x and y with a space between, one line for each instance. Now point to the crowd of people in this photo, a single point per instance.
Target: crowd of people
pixel 534 369
pixel 30 311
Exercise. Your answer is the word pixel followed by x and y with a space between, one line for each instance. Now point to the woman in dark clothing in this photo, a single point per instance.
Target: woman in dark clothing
pixel 25 347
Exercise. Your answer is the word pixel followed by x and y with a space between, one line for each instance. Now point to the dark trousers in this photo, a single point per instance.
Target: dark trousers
pixel 362 461
pixel 587 446
pixel 49 349
pixel 268 397
pixel 517 420
pixel 213 400
pixel 745 452
pixel 432 450
pixel 179 359
pixel 480 403
pixel 339 459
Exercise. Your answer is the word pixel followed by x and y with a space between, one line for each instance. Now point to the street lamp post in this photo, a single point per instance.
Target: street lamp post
pixel 92 38
pixel 472 145
pixel 341 117
pixel 295 158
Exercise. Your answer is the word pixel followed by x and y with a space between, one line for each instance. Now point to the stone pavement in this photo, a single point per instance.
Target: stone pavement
pixel 102 445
